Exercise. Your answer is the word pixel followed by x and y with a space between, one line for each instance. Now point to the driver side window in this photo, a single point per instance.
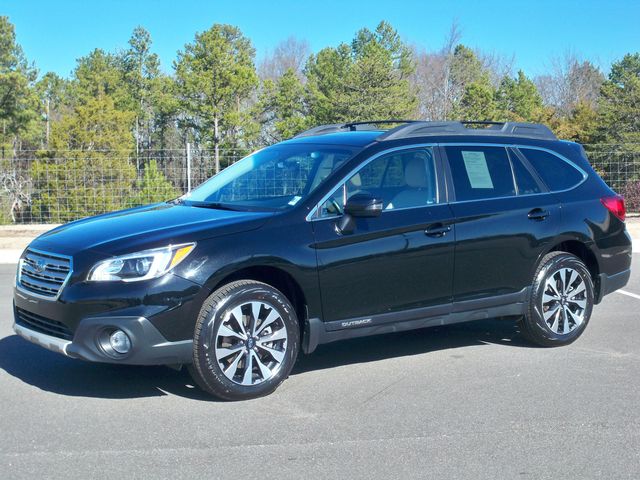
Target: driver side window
pixel 402 179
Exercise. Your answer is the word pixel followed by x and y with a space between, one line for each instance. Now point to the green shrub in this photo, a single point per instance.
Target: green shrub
pixel 153 187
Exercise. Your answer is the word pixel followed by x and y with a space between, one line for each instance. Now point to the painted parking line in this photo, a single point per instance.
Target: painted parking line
pixel 10 256
pixel 629 294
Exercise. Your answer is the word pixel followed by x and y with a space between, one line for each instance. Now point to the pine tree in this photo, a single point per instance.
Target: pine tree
pixel 153 187
pixel 216 76
pixel 519 100
pixel 619 117
pixel 477 102
pixel 18 101
pixel 283 102
pixel 366 80
pixel 141 68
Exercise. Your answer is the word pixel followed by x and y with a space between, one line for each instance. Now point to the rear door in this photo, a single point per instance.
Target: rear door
pixel 504 217
pixel 400 260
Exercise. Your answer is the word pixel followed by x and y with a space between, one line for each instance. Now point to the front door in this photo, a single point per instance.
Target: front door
pixel 400 260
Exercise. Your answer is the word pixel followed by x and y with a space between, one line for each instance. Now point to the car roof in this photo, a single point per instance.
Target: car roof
pixel 365 133
pixel 355 139
pixel 363 139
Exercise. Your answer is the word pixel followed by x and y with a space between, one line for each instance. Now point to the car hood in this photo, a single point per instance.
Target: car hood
pixel 146 227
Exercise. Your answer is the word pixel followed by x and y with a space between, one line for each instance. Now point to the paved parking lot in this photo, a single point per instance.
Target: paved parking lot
pixel 465 401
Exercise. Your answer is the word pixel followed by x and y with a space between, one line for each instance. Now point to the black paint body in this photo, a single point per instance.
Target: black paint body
pixel 386 275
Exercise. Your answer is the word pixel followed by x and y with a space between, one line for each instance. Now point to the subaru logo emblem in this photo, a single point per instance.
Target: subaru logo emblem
pixel 39 265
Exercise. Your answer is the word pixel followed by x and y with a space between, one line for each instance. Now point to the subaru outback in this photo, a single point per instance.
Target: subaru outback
pixel 343 231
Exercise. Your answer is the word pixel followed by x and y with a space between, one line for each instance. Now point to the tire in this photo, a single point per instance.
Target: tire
pixel 560 302
pixel 229 362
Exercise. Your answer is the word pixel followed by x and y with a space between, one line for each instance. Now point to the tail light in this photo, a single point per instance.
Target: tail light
pixel 615 205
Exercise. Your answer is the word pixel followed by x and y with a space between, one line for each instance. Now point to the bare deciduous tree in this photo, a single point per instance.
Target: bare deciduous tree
pixel 432 78
pixel 441 77
pixel 571 81
pixel 17 189
pixel 498 66
pixel 291 53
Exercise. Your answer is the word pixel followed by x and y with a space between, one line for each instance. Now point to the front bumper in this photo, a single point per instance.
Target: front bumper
pixel 158 316
pixel 90 342
pixel 49 342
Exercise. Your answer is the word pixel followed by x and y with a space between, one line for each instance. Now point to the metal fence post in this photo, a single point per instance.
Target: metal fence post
pixel 188 167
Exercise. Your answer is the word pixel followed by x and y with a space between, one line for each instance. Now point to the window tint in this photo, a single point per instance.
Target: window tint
pixel 480 172
pixel 555 172
pixel 401 179
pixel 275 177
pixel 524 180
pixel 285 178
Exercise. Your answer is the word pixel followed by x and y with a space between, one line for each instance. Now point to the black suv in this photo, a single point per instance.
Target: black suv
pixel 343 231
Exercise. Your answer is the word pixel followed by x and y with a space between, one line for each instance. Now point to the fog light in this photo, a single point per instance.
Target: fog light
pixel 120 342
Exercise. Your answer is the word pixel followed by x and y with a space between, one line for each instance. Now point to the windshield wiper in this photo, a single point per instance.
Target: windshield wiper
pixel 214 205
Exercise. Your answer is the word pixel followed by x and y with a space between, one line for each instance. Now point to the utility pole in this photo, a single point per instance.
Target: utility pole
pixel 48 123
pixel 137 146
pixel 216 142
pixel 188 167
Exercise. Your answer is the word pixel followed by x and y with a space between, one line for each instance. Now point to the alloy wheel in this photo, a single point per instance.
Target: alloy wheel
pixel 250 343
pixel 564 301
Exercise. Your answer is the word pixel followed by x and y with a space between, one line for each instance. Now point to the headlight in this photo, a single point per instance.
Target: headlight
pixel 140 265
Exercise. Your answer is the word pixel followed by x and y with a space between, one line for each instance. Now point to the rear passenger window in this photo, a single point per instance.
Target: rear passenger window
pixel 480 172
pixel 525 182
pixel 555 172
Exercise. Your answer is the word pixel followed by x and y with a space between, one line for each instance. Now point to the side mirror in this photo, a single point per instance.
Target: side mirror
pixel 359 205
pixel 363 205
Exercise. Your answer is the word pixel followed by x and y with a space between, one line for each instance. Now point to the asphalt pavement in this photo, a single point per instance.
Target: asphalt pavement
pixel 469 401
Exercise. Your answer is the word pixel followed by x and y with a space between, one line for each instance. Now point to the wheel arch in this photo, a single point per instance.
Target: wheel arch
pixel 580 248
pixel 582 251
pixel 276 277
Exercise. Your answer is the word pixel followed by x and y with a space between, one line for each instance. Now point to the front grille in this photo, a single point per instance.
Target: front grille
pixel 44 273
pixel 42 324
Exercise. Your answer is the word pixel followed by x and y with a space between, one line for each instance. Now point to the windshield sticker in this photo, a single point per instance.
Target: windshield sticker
pixel 294 200
pixel 477 170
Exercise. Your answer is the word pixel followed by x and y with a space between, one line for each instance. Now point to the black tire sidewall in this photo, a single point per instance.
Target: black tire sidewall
pixel 205 362
pixel 536 324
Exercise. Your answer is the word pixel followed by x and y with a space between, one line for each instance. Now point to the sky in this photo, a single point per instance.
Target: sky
pixel 54 33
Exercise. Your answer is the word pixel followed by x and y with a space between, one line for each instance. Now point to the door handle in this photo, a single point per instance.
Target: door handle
pixel 437 230
pixel 538 214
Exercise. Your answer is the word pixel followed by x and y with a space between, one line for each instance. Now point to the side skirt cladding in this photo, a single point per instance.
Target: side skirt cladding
pixel 318 332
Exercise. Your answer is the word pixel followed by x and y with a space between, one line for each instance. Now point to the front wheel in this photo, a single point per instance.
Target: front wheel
pixel 246 341
pixel 561 301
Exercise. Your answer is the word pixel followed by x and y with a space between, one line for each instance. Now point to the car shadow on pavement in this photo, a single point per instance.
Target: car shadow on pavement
pixel 414 342
pixel 55 373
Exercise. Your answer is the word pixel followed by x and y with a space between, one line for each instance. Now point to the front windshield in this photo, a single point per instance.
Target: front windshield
pixel 276 177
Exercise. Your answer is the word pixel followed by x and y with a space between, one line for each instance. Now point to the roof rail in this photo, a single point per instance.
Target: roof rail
pixel 512 129
pixel 348 127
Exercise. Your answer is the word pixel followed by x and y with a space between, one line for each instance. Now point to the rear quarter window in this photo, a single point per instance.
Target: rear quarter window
pixel 556 173
pixel 480 172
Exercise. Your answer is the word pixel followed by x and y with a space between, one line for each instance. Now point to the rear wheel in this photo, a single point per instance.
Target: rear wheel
pixel 561 301
pixel 246 341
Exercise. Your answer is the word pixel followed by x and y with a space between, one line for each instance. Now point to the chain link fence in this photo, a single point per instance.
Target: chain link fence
pixel 619 166
pixel 72 185
pixel 76 184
